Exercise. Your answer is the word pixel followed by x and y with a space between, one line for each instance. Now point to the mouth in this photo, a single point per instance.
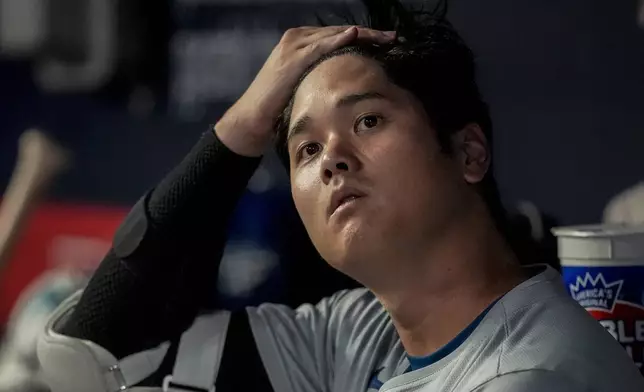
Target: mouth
pixel 343 198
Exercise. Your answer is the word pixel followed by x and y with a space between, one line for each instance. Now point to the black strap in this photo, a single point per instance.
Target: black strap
pixel 241 368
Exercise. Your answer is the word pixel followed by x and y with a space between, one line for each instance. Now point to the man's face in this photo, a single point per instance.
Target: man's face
pixel 368 176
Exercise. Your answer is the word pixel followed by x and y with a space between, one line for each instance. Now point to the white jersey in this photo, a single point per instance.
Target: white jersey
pixel 535 338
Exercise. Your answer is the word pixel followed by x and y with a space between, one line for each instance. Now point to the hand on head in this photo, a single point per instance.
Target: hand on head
pixel 247 127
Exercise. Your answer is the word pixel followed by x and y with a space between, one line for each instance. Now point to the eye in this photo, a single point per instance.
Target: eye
pixel 308 150
pixel 368 122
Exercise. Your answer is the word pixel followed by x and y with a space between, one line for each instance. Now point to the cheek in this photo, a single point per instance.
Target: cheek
pixel 401 155
pixel 305 188
pixel 411 168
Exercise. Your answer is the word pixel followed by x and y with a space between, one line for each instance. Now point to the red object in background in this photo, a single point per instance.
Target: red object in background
pixel 626 324
pixel 57 235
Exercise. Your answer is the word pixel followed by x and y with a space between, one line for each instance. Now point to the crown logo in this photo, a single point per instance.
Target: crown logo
pixel 595 293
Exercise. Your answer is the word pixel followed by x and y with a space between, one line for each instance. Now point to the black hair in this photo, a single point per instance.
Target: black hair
pixel 430 60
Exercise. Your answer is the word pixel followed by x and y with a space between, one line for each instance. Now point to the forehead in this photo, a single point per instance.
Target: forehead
pixel 338 77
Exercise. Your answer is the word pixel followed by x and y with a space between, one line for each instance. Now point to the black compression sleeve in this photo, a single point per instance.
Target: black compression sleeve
pixel 136 302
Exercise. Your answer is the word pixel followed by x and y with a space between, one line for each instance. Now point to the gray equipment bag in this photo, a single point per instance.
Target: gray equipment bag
pixel 76 365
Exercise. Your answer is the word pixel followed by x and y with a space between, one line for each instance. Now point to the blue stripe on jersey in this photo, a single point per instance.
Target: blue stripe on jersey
pixel 375 383
pixel 421 362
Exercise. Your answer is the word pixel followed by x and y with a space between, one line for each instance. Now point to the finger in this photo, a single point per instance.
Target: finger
pixel 375 36
pixel 364 34
pixel 330 43
pixel 348 36
pixel 312 36
pixel 325 30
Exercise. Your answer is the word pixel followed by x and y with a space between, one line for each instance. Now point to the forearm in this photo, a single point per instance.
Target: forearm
pixel 191 206
pixel 153 281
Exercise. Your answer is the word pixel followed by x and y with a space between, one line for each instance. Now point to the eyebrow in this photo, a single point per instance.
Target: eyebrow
pixel 348 100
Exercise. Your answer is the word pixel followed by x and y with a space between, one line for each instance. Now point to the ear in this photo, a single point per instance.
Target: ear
pixel 473 153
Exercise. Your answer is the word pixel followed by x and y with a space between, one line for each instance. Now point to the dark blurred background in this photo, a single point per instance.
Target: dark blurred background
pixel 565 81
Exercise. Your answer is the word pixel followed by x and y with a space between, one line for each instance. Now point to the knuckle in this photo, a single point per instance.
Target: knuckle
pixel 292 33
pixel 288 35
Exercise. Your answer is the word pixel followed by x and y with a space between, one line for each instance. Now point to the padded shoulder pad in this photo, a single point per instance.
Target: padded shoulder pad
pixel 76 365
pixel 134 235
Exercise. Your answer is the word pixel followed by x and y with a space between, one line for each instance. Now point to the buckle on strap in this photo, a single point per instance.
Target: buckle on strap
pixel 171 386
pixel 115 371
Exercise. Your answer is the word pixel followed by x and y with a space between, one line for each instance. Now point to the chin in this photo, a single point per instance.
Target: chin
pixel 351 259
pixel 350 249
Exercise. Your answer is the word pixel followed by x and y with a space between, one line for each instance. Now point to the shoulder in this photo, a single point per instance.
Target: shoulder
pixel 357 306
pixel 340 338
pixel 530 381
pixel 547 331
pixel 359 310
pixel 542 320
pixel 348 315
pixel 356 303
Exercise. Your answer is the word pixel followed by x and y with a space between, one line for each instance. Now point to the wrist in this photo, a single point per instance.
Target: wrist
pixel 243 135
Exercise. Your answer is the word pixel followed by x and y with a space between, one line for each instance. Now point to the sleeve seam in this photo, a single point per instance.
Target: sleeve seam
pixel 536 370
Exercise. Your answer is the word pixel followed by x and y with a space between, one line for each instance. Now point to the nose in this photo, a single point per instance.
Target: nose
pixel 338 158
